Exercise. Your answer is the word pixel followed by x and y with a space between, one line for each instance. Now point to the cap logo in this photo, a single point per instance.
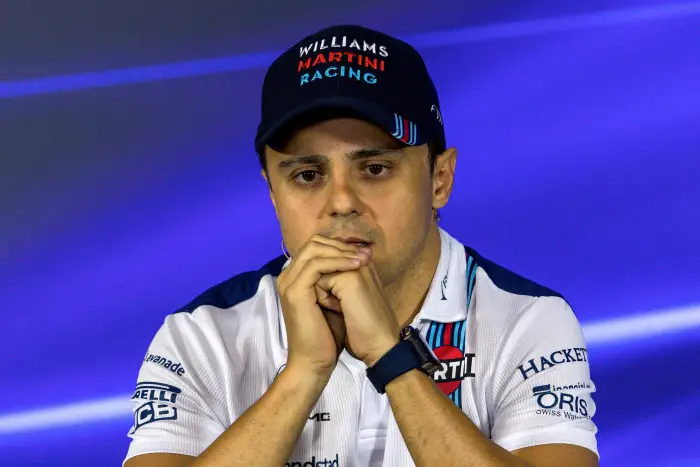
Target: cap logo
pixel 405 130
pixel 341 57
pixel 437 113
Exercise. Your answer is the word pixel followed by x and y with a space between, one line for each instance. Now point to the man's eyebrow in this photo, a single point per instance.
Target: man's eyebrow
pixel 312 159
pixel 317 159
pixel 373 152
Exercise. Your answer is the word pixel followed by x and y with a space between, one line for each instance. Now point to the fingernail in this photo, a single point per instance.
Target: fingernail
pixel 356 261
pixel 365 250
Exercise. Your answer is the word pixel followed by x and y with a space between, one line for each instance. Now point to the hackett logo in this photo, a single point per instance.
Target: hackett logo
pixel 535 365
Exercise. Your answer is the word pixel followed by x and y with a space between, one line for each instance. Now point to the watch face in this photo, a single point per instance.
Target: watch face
pixel 430 368
pixel 429 361
pixel 427 347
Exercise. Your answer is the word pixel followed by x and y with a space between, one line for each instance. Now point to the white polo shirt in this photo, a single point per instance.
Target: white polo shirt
pixel 514 360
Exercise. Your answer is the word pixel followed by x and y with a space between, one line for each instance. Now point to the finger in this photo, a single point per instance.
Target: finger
pixel 365 251
pixel 370 272
pixel 292 272
pixel 336 283
pixel 312 250
pixel 337 325
pixel 333 242
pixel 326 300
pixel 312 270
pixel 320 243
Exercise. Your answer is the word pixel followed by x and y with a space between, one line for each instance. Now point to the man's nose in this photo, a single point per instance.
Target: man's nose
pixel 342 196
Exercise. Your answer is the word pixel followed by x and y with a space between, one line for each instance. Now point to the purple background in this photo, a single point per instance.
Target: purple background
pixel 127 189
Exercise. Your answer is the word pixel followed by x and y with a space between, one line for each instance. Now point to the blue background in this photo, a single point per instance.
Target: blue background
pixel 129 184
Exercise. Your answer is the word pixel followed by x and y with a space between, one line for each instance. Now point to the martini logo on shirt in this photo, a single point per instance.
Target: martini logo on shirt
pixel 455 367
pixel 341 57
pixel 447 342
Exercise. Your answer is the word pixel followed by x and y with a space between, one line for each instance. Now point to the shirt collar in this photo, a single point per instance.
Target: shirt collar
pixel 446 301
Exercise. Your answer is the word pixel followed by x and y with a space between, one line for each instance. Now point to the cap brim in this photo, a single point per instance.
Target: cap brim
pixel 397 126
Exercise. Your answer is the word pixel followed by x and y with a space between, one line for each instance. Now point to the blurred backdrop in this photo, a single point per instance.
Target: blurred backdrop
pixel 129 184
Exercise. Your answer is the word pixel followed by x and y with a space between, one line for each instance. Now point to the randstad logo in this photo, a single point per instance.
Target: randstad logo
pixel 316 463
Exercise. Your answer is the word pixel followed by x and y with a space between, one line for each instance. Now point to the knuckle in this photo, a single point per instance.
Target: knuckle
pixel 310 248
pixel 293 293
pixel 301 252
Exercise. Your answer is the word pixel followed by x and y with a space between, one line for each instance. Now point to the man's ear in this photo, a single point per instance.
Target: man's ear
pixel 444 177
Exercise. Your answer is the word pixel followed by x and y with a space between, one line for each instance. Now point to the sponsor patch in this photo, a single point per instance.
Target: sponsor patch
pixel 557 403
pixel 315 462
pixel 160 403
pixel 536 365
pixel 341 58
pixel 174 367
pixel 447 342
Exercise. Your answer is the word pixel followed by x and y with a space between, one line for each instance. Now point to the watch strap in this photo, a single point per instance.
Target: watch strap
pixel 400 359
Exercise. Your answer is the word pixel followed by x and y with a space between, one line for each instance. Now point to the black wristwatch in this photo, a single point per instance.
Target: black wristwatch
pixel 409 354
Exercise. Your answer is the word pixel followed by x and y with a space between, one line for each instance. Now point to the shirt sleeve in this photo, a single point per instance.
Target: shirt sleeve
pixel 542 384
pixel 175 404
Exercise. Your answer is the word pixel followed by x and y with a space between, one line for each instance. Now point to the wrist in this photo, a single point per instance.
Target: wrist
pixel 411 377
pixel 305 379
pixel 387 345
pixel 410 353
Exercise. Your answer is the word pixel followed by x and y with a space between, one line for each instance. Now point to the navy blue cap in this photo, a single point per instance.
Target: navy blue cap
pixel 378 77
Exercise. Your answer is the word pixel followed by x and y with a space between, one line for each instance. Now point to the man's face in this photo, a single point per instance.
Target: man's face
pixel 348 179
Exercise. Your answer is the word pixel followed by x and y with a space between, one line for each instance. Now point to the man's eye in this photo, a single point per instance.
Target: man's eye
pixel 307 176
pixel 376 170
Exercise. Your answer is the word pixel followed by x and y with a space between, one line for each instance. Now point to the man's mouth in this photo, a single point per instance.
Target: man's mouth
pixel 354 241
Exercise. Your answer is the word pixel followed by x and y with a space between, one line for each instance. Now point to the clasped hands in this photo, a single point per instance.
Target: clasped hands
pixel 331 297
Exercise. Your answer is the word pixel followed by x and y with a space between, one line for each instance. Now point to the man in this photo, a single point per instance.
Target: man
pixel 381 340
